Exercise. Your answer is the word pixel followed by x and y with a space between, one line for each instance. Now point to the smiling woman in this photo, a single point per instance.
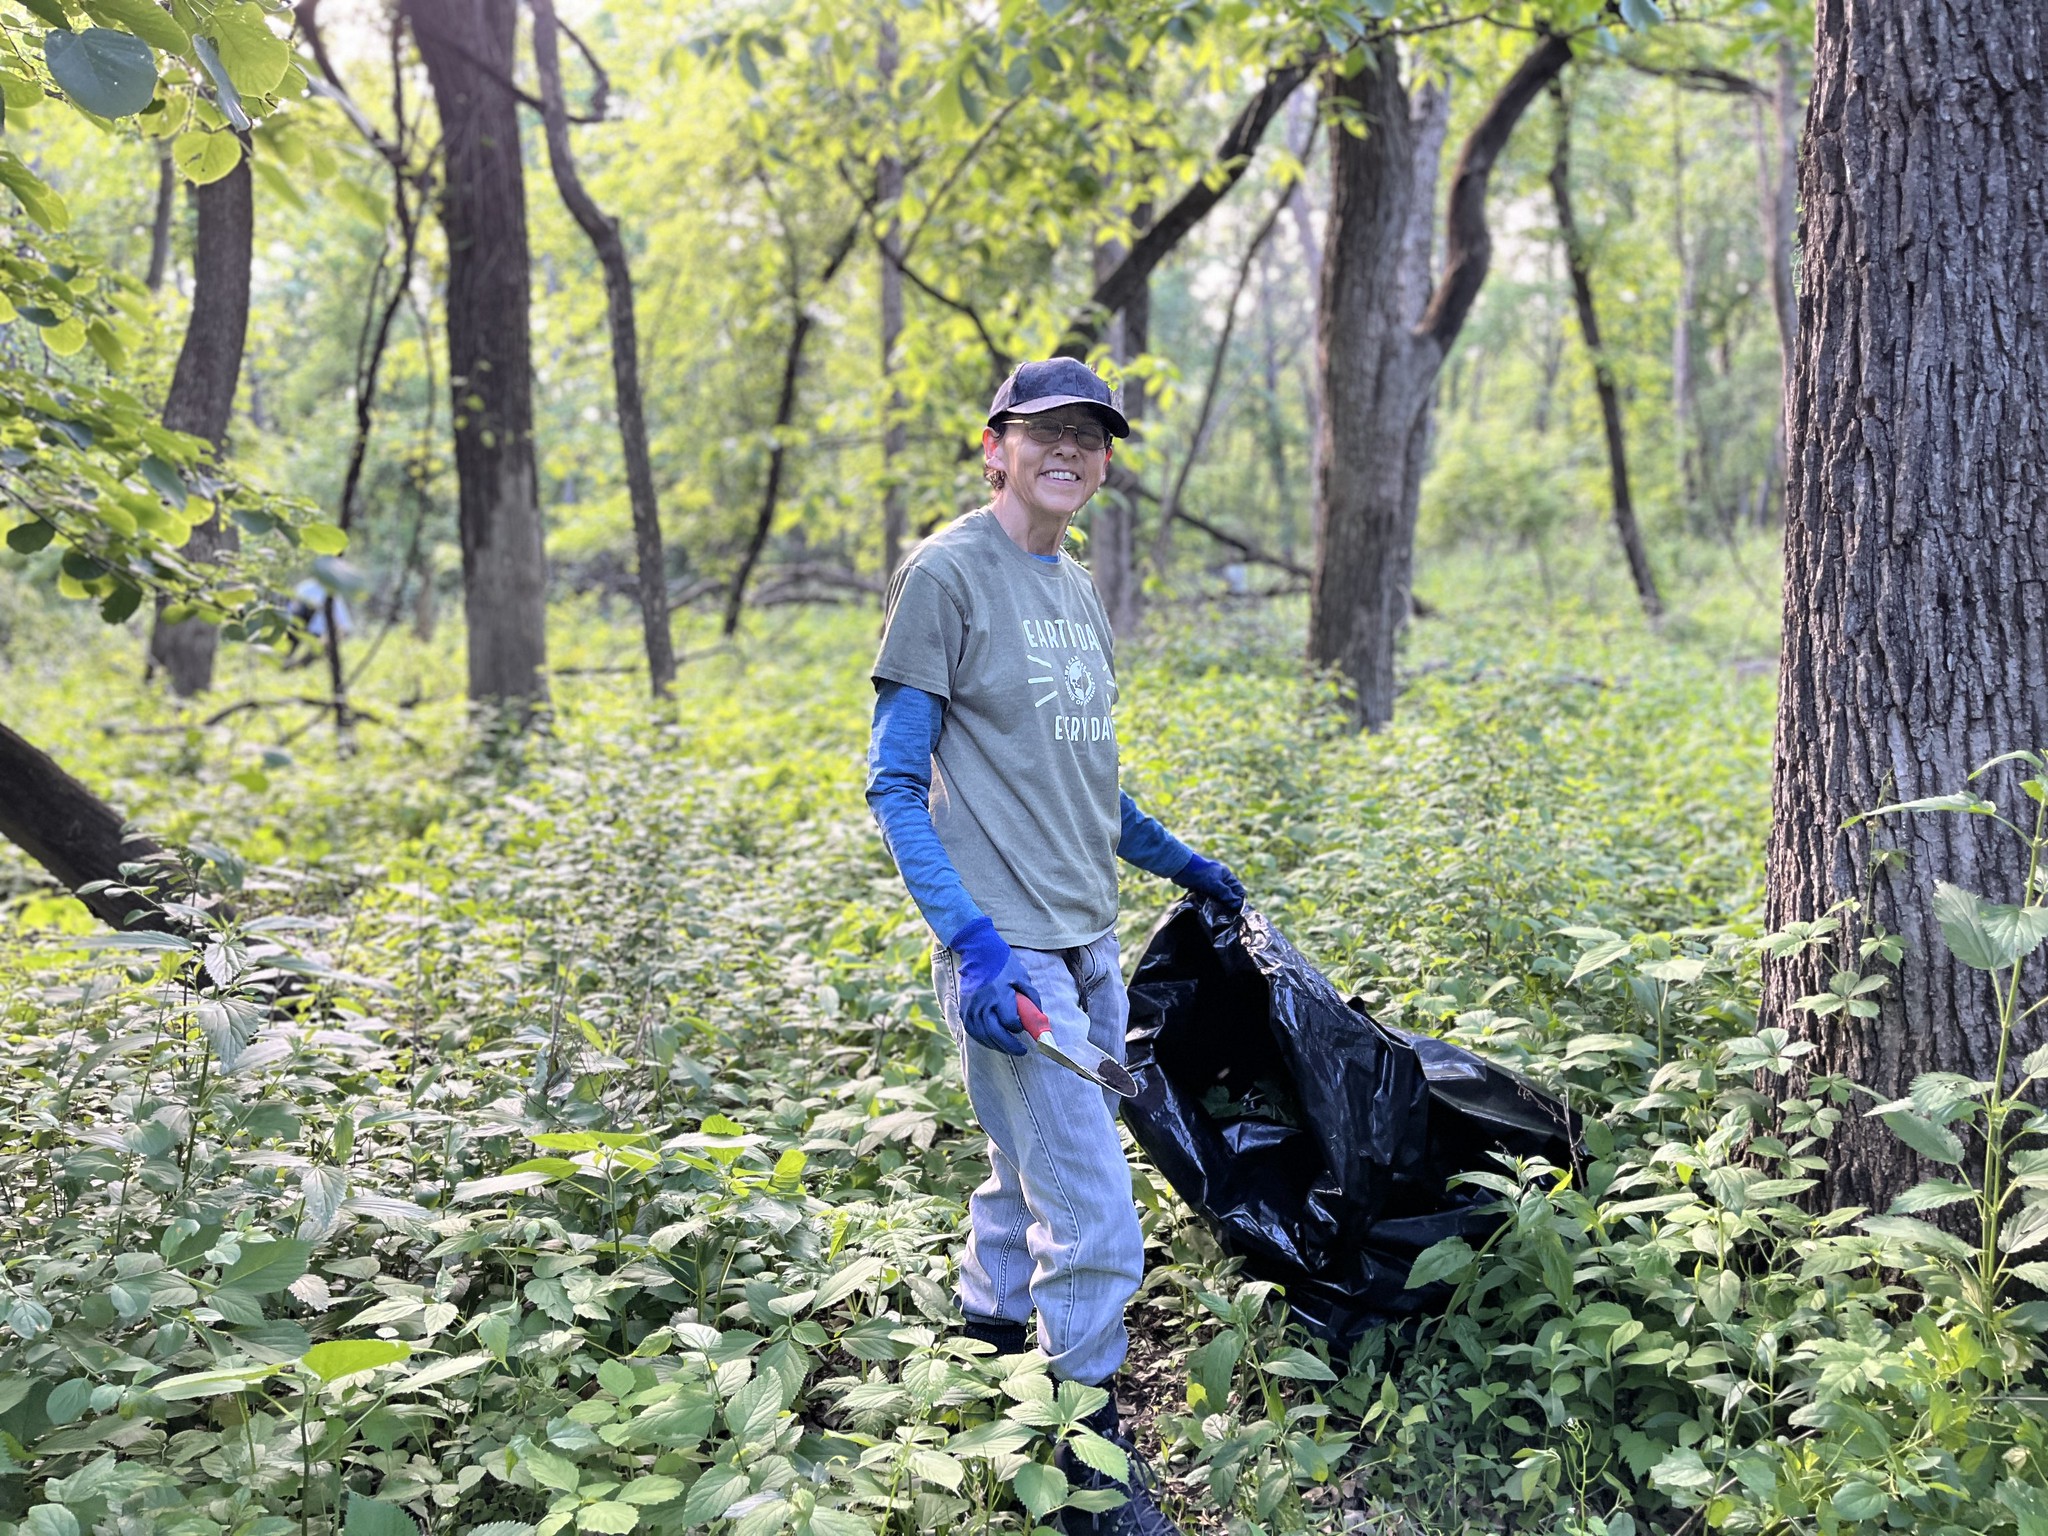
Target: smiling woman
pixel 993 772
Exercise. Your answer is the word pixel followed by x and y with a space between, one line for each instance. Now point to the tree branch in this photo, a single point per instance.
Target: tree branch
pixel 1233 158
pixel 1468 244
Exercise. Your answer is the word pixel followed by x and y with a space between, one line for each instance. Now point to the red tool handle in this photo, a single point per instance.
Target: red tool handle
pixel 1036 1024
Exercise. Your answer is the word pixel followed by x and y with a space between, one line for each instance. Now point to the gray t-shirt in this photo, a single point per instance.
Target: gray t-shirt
pixel 1024 781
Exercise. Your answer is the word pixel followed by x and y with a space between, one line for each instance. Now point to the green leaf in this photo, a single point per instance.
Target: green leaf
pixel 202 156
pixel 1598 958
pixel 1859 1499
pixel 607 1515
pixel 1936 1142
pixel 2029 1506
pixel 1986 936
pixel 1298 1365
pixel 223 83
pixel 651 1489
pixel 1681 1469
pixel 120 604
pixel 108 73
pixel 548 1469
pixel 616 1377
pixel 27 538
pixel 256 57
pixel 36 199
pixel 375 1517
pixel 1443 1260
pixel 1931 1195
pixel 1919 1236
pixel 50 1520
pixel 716 1491
pixel 346 1357
pixel 1104 1456
pixel 47 10
pixel 265 1267
pixel 2026 1228
pixel 211 1383
pixel 1638 14
pixel 325 539
pixel 147 20
pixel 1042 1489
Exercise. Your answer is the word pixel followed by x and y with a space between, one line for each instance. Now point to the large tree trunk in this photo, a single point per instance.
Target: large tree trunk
pixel 468 49
pixel 1916 627
pixel 1378 368
pixel 602 230
pixel 71 832
pixel 1625 527
pixel 202 395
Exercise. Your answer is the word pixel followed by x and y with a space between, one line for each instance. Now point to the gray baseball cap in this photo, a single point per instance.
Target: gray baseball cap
pixel 1035 387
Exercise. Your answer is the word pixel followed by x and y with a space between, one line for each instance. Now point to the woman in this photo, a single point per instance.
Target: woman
pixel 993 772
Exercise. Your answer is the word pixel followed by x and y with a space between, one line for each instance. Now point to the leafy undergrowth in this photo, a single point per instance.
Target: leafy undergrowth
pixel 559 1136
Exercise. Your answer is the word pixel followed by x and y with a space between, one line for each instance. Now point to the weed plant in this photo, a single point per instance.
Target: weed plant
pixel 560 1136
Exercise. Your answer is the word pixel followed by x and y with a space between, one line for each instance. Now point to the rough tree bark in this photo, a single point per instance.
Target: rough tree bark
pixel 1576 260
pixel 202 394
pixel 1916 578
pixel 468 49
pixel 71 832
pixel 1378 369
pixel 602 230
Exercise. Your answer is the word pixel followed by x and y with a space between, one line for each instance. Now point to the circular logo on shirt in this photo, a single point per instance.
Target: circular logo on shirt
pixel 1080 680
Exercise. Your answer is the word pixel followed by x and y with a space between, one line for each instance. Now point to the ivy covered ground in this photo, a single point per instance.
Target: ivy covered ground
pixel 559 1136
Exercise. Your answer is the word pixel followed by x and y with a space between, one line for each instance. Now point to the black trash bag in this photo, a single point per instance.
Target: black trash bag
pixel 1316 1141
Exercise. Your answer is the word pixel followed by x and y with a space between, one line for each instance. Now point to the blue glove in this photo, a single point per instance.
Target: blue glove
pixel 991 976
pixel 1205 877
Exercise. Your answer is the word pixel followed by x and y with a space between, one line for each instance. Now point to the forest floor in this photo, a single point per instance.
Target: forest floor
pixel 610 1073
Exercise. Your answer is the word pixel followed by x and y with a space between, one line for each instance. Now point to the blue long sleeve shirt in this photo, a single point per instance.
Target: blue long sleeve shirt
pixel 906 734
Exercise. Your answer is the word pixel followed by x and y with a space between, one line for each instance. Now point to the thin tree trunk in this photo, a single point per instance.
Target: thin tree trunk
pixel 1625 527
pixel 468 49
pixel 1112 517
pixel 1301 132
pixel 1162 541
pixel 1915 630
pixel 1379 370
pixel 202 394
pixel 889 177
pixel 160 226
pixel 72 833
pixel 785 412
pixel 602 230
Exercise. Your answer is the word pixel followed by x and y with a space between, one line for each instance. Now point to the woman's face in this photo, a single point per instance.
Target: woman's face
pixel 1048 480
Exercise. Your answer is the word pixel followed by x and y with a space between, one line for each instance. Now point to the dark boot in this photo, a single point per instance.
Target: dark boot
pixel 1139 1514
pixel 1006 1338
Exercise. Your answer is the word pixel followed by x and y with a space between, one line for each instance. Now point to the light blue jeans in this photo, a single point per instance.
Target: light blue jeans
pixel 1054 1227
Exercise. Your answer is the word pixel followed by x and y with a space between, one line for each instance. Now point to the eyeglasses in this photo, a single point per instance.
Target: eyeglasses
pixel 1088 436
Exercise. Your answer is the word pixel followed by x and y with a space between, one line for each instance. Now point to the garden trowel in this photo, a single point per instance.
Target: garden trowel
pixel 1104 1071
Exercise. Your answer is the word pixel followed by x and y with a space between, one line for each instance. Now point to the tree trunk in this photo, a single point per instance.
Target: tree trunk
pixel 1112 517
pixel 1625 527
pixel 468 47
pixel 71 832
pixel 602 230
pixel 889 176
pixel 1378 369
pixel 1685 415
pixel 160 226
pixel 1915 625
pixel 202 394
